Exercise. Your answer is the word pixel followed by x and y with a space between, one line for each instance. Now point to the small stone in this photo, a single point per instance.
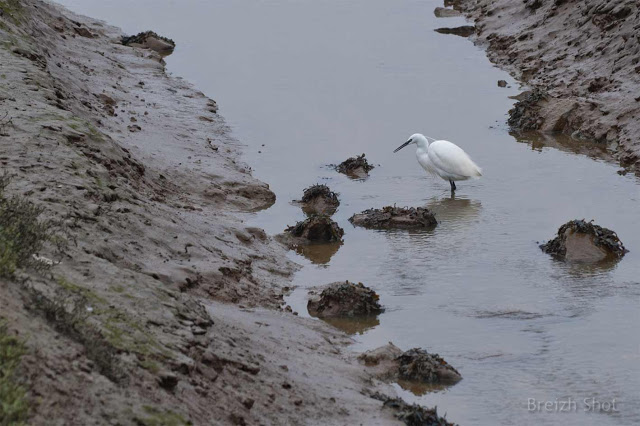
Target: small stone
pixel 168 381
pixel 502 83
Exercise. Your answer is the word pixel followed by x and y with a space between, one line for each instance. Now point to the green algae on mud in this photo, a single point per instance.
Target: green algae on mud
pixel 14 405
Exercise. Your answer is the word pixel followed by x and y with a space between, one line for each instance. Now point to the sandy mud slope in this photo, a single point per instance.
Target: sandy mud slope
pixel 164 308
pixel 583 57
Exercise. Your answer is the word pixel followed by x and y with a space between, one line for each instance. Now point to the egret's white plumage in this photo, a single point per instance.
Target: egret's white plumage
pixel 444 159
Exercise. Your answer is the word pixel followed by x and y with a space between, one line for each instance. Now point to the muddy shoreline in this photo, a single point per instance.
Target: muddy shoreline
pixel 184 300
pixel 579 59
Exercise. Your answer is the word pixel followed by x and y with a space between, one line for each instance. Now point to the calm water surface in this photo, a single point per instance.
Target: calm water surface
pixel 317 81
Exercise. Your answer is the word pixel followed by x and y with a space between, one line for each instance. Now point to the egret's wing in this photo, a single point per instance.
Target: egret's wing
pixel 452 159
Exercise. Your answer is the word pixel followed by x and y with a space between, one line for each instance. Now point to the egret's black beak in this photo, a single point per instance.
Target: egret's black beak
pixel 402 146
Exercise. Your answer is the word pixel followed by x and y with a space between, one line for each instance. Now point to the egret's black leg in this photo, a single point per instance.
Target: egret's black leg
pixel 453 185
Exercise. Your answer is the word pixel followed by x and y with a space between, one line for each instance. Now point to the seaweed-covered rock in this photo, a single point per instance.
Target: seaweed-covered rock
pixel 525 114
pixel 357 166
pixel 345 299
pixel 150 40
pixel 319 199
pixel 395 217
pixel 463 31
pixel 316 228
pixel 419 365
pixel 412 414
pixel 415 365
pixel 582 241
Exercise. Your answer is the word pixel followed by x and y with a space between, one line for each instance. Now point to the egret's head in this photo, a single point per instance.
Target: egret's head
pixel 418 139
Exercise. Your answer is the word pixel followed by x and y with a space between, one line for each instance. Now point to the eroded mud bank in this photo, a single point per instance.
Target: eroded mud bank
pixel 581 60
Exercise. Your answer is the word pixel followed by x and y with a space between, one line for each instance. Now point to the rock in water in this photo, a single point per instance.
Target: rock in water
pixel 395 217
pixel 316 228
pixel 584 242
pixel 345 299
pixel 357 166
pixel 415 365
pixel 319 199
pixel 443 12
pixel 419 365
pixel 150 40
pixel 412 414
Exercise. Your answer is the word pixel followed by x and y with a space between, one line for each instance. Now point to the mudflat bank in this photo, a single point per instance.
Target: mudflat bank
pixel 142 298
pixel 581 60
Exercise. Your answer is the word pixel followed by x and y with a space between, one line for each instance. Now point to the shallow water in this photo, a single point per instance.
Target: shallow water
pixel 319 81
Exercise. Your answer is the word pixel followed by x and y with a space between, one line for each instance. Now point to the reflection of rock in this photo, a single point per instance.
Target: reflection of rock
pixel 150 40
pixel 345 299
pixel 563 142
pixel 443 12
pixel 463 31
pixel 354 325
pixel 395 217
pixel 584 242
pixel 357 166
pixel 319 199
pixel 460 210
pixel 316 228
pixel 320 254
pixel 415 366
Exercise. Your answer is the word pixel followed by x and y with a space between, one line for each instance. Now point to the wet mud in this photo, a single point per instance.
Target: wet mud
pixel 578 58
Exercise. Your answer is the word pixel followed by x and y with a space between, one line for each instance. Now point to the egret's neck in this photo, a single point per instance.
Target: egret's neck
pixel 422 144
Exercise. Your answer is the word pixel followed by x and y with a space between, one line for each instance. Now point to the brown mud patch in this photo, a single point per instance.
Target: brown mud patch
pixel 392 217
pixel 583 242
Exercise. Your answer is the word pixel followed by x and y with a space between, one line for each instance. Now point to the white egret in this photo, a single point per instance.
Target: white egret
pixel 444 159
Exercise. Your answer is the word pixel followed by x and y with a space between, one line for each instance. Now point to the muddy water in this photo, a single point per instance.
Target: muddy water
pixel 308 83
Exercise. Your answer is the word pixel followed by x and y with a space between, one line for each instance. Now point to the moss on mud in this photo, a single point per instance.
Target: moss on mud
pixel 14 406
